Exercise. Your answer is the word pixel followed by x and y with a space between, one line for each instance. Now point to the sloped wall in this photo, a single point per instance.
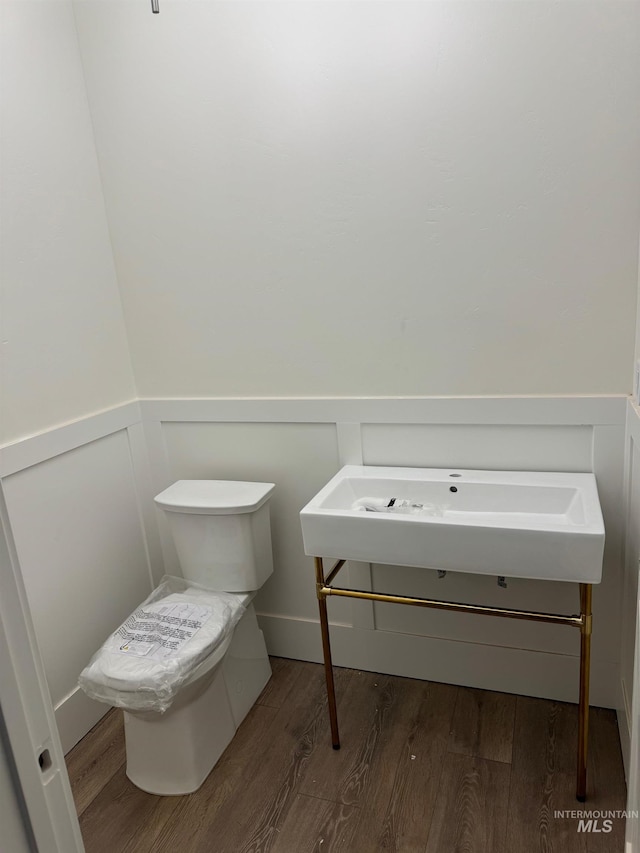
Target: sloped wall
pixel 64 348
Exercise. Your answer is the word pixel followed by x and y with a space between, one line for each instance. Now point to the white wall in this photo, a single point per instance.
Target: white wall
pixel 77 525
pixel 637 352
pixel 73 508
pixel 371 198
pixel 64 350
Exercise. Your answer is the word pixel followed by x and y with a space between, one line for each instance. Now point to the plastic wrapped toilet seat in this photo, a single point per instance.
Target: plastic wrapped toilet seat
pixel 143 664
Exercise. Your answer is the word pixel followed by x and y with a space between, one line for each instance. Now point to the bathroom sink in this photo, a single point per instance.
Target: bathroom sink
pixel 527 524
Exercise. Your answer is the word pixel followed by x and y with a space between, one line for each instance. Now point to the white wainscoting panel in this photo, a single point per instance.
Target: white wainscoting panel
pixel 53 442
pixel 299 459
pixel 479 446
pixel 91 542
pixel 476 589
pixel 81 547
pixel 252 439
pixel 632 764
pixel 509 670
pixel 628 713
pixel 608 466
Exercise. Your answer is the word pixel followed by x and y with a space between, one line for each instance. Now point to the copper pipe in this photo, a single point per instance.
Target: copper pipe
pixel 326 653
pixel 583 709
pixel 555 618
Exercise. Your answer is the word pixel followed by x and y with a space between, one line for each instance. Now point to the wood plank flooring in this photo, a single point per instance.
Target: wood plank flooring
pixel 423 768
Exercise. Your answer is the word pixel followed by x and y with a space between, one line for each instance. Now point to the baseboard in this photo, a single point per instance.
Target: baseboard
pixel 507 670
pixel 75 716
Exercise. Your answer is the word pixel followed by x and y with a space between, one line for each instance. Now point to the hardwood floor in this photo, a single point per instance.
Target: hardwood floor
pixel 423 767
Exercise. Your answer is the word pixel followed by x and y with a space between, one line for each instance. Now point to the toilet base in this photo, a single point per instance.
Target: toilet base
pixel 246 666
pixel 173 753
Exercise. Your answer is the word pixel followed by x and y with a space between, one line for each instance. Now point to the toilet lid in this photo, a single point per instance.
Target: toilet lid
pixel 214 497
pixel 142 665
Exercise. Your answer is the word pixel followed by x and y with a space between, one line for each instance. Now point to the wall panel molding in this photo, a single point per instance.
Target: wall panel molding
pixel 633 421
pixel 569 410
pixel 33 449
pixel 347 412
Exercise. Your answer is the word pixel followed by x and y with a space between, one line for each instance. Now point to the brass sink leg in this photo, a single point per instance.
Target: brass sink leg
pixel 326 652
pixel 323 589
pixel 583 709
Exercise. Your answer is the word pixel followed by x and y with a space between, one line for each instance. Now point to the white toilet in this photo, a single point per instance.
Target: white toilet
pixel 222 534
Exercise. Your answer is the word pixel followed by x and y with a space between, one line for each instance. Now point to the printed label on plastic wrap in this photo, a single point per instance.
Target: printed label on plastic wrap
pixel 156 631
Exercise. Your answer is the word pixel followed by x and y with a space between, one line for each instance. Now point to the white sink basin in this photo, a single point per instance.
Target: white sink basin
pixel 514 523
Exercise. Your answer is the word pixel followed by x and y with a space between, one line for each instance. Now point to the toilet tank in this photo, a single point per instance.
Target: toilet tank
pixel 222 532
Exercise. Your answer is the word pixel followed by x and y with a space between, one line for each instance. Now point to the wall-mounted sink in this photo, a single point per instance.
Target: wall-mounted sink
pixel 512 523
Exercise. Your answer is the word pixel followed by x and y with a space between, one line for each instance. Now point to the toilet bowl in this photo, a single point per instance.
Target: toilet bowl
pixel 191 661
pixel 174 752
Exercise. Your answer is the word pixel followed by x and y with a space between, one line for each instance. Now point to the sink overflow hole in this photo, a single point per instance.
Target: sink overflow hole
pixel 453 488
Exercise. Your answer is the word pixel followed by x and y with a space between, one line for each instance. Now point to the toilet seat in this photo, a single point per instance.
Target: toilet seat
pixel 129 685
pixel 168 641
